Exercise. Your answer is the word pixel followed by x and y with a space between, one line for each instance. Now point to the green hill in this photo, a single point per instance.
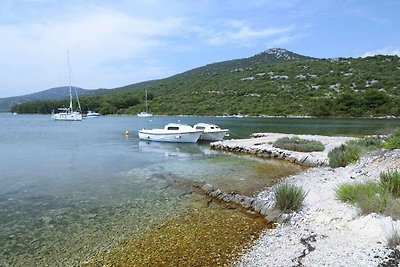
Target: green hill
pixel 49 94
pixel 274 82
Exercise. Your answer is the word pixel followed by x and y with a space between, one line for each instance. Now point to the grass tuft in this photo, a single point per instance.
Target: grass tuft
pixel 393 141
pixel 289 197
pixel 392 209
pixel 298 144
pixel 352 151
pixel 391 182
pixel 393 238
pixel 347 193
pixel 369 196
pixel 382 196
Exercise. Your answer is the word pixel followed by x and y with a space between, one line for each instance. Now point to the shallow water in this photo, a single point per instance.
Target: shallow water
pixel 71 189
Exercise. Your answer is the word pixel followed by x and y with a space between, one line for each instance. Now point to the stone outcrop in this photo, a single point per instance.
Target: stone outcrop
pixel 261 145
pixel 250 203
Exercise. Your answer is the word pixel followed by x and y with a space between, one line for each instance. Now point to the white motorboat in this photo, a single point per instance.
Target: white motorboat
pixel 68 114
pixel 92 114
pixel 211 132
pixel 145 114
pixel 172 132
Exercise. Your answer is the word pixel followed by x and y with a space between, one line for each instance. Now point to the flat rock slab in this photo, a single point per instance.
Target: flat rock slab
pixel 261 146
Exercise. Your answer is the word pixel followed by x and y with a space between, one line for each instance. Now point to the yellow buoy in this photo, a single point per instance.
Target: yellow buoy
pixel 126 133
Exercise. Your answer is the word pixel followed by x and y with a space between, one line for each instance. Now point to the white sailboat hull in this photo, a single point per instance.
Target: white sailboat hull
pixel 179 137
pixel 67 117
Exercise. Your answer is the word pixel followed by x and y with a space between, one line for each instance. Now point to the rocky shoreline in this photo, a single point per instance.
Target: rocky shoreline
pixel 261 145
pixel 325 232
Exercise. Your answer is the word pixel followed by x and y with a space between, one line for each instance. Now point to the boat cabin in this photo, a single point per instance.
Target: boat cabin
pixel 205 126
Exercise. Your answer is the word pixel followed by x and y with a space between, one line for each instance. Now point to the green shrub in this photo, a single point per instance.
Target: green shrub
pixel 394 141
pixel 298 144
pixel 289 197
pixel 374 197
pixel 347 193
pixel 352 151
pixel 344 155
pixel 373 200
pixel 370 142
pixel 390 181
pixel 369 196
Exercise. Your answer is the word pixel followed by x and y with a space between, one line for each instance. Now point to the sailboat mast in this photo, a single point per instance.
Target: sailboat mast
pixel 70 83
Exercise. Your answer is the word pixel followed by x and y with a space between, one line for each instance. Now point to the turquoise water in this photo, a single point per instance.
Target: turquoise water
pixel 70 189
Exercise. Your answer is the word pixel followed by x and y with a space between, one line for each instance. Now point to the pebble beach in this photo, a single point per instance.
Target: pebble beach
pixel 325 232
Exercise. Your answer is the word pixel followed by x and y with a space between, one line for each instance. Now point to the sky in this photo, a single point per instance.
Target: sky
pixel 120 42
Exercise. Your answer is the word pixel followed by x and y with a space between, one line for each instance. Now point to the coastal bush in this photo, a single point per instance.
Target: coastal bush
pixel 382 196
pixel 298 144
pixel 373 200
pixel 369 196
pixel 289 197
pixel 344 155
pixel 352 150
pixel 393 141
pixel 390 181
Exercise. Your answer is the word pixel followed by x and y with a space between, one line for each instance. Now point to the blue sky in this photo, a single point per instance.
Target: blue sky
pixel 119 42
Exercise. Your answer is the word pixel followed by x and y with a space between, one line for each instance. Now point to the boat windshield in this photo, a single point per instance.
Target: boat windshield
pixel 172 128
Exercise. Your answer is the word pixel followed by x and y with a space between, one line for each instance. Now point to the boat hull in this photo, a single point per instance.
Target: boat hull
pixel 145 115
pixel 186 137
pixel 92 114
pixel 214 136
pixel 67 117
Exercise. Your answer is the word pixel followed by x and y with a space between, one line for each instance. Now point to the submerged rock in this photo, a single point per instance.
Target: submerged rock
pixel 250 203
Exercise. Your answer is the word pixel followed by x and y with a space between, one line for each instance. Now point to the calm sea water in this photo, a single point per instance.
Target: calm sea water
pixel 70 188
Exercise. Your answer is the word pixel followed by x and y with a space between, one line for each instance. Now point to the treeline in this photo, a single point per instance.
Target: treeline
pixel 112 104
pixel 344 87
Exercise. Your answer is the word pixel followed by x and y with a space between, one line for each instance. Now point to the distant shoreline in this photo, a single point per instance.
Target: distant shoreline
pixel 230 117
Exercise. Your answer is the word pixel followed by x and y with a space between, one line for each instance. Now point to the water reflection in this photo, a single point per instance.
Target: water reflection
pixel 176 150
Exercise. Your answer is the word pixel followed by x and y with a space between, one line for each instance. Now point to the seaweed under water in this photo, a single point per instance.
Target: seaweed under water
pixel 204 235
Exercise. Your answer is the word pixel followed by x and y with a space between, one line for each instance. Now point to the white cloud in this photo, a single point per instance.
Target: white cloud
pixel 36 50
pixel 383 51
pixel 283 40
pixel 240 34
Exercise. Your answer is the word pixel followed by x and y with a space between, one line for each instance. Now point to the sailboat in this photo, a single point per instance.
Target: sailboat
pixel 145 114
pixel 68 114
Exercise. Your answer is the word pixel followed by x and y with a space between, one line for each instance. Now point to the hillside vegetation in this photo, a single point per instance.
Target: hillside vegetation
pixel 275 82
pixel 49 94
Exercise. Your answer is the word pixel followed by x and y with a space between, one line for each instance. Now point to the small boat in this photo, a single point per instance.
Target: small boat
pixel 145 114
pixel 92 114
pixel 172 132
pixel 211 132
pixel 225 115
pixel 68 114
